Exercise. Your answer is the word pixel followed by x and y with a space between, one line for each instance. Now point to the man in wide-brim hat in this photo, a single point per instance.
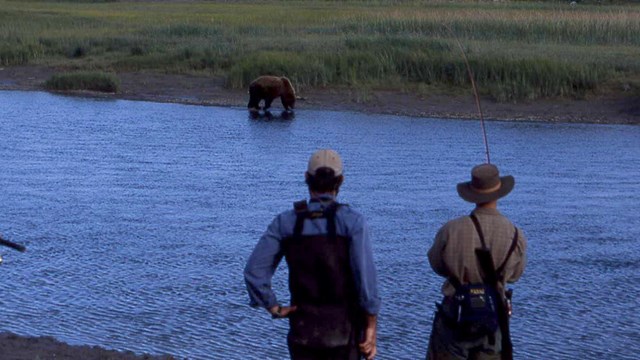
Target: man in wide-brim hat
pixel 453 256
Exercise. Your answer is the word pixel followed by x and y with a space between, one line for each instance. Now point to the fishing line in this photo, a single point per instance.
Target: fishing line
pixel 475 92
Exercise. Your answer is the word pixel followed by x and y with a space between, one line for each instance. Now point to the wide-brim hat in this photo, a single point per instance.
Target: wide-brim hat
pixel 486 185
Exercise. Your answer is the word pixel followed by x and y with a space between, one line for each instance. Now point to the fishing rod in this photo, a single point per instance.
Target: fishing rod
pixel 12 245
pixel 475 93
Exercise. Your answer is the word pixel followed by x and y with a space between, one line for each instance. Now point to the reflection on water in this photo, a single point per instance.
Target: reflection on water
pixel 139 218
pixel 270 116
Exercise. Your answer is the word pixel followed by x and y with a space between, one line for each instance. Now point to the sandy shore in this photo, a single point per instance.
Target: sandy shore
pixel 209 91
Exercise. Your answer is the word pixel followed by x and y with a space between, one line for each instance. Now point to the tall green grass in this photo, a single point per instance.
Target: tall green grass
pixel 94 81
pixel 518 50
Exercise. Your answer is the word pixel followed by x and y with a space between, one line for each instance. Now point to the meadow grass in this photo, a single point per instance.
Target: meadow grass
pixel 517 50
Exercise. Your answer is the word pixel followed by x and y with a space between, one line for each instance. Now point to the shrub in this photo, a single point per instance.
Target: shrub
pixel 94 81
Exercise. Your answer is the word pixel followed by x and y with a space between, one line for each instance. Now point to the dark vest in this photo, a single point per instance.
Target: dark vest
pixel 321 283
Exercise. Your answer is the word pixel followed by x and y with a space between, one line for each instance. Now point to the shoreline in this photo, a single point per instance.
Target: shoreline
pixel 18 347
pixel 209 91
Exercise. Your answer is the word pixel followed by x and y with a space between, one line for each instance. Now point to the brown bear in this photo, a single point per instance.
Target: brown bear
pixel 268 88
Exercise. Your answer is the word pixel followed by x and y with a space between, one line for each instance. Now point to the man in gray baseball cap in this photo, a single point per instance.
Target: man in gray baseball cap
pixel 332 278
pixel 477 255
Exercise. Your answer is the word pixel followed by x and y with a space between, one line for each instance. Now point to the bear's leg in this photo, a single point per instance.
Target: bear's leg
pixel 254 101
pixel 255 96
pixel 267 102
pixel 286 105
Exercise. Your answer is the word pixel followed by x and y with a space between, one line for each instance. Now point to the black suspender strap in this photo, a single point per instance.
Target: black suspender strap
pixel 301 213
pixel 476 223
pixel 300 206
pixel 514 243
pixel 330 214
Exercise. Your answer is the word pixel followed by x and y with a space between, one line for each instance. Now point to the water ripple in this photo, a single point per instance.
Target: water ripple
pixel 139 222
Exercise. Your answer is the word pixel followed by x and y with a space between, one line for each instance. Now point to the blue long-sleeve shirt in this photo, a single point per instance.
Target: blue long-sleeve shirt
pixel 268 253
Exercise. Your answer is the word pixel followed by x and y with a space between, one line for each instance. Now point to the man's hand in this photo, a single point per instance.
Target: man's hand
pixel 279 312
pixel 368 345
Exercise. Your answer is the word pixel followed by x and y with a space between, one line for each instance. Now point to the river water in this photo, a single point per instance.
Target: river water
pixel 139 217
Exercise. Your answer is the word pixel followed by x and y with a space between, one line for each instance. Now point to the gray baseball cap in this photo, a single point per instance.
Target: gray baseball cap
pixel 325 158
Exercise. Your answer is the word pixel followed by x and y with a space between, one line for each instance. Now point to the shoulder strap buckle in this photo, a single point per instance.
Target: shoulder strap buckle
pixel 300 206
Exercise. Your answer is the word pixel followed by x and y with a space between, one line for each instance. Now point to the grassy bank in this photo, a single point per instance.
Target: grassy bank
pixel 518 50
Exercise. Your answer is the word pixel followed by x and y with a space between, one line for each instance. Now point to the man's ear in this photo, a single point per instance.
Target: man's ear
pixel 340 180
